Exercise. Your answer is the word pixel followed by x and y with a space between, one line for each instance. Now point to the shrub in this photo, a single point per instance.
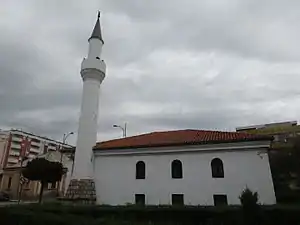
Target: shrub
pixel 250 207
pixel 248 198
pixel 60 214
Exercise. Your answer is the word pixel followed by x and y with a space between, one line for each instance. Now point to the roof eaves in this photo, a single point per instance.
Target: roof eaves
pixel 263 138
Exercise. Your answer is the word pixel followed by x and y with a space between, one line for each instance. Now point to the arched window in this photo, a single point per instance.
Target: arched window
pixel 176 168
pixel 217 169
pixel 140 170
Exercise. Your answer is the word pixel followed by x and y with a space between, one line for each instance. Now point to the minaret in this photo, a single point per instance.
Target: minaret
pixel 92 72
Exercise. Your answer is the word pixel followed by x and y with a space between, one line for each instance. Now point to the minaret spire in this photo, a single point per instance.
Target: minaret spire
pixel 97 30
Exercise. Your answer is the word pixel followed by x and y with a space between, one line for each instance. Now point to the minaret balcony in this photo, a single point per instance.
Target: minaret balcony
pixel 93 63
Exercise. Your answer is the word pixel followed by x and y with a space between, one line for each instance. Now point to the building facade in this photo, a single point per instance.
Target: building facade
pixel 186 167
pixel 11 145
pixel 191 167
pixel 283 132
pixel 12 181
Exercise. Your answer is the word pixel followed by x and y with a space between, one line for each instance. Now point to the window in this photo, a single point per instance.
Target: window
pixel 140 199
pixel 53 185
pixel 176 168
pixel 35 140
pixel 18 135
pixel 177 199
pixel 9 183
pixel 217 168
pixel 276 138
pixel 220 200
pixel 27 185
pixel 140 170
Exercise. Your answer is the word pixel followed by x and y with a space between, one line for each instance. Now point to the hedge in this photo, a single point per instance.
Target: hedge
pixel 156 215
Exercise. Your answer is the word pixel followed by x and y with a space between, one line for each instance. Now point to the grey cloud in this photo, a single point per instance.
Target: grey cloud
pixel 170 65
pixel 248 28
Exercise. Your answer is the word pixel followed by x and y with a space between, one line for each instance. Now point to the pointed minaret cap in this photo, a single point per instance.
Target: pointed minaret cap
pixel 97 30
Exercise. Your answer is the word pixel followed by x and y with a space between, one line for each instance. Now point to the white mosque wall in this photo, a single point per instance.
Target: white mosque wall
pixel 244 166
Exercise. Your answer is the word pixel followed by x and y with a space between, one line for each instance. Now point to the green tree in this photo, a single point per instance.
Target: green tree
pixel 296 160
pixel 44 171
pixel 285 166
pixel 250 206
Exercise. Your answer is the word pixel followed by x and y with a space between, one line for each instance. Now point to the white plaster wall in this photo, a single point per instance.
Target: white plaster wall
pixel 93 73
pixel 87 132
pixel 116 183
pixel 95 48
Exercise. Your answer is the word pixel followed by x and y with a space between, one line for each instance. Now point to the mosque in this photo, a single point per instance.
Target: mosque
pixel 186 167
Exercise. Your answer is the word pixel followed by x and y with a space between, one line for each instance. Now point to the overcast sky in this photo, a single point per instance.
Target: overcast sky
pixel 209 64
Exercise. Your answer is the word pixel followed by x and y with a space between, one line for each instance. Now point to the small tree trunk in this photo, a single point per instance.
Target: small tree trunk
pixel 41 192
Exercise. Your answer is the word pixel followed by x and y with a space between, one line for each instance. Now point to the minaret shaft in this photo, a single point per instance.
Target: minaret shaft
pixel 93 71
pixel 87 131
pixel 95 48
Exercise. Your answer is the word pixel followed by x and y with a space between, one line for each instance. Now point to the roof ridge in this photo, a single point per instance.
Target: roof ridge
pixel 239 135
pixel 124 138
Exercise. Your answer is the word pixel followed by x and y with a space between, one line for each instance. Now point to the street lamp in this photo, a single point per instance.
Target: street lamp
pixel 65 136
pixel 64 141
pixel 124 129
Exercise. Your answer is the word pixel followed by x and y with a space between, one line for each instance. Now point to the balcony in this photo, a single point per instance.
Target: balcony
pixel 35 151
pixel 31 156
pixel 16 138
pixel 12 160
pixel 35 144
pixel 14 153
pixel 51 148
pixel 14 145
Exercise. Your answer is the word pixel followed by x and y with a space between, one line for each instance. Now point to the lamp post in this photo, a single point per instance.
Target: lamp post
pixel 20 180
pixel 65 136
pixel 73 159
pixel 124 129
pixel 64 141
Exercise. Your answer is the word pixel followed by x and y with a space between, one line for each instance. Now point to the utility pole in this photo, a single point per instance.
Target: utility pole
pixel 65 136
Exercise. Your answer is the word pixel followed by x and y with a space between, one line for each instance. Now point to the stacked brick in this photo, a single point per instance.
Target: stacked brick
pixel 82 190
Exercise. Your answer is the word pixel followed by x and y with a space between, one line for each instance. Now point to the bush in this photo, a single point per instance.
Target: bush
pixel 250 206
pixel 60 214
pixel 248 198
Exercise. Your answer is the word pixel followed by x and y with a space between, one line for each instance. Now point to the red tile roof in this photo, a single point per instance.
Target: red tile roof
pixel 178 137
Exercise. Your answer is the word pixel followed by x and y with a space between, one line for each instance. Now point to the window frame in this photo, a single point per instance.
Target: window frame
pixel 9 182
pixel 138 197
pixel 176 169
pixel 53 185
pixel 220 202
pixel 176 197
pixel 140 170
pixel 217 168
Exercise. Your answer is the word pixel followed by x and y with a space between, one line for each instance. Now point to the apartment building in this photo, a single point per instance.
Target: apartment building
pixel 11 146
pixel 12 183
pixel 283 132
